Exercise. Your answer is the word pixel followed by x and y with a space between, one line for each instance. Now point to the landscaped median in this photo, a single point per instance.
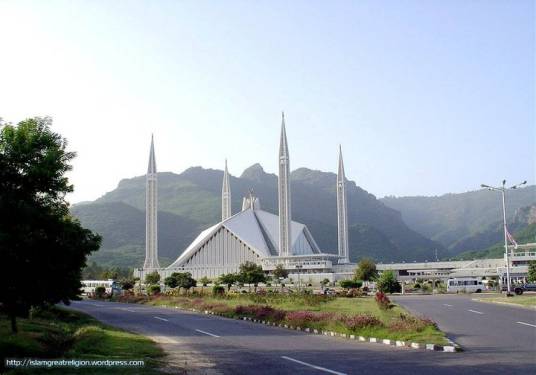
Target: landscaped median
pixel 361 318
pixel 64 341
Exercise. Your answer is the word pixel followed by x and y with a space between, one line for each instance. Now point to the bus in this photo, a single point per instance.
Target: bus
pixel 465 285
pixel 110 286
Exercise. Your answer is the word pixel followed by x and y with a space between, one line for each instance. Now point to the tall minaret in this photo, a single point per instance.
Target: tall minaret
pixel 151 209
pixel 225 195
pixel 284 194
pixel 342 215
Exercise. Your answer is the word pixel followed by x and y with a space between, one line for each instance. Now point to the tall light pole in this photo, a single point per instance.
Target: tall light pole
pixel 503 189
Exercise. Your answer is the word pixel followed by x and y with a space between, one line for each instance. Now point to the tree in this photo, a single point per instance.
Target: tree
pixel 180 280
pixel 280 273
pixel 170 282
pixel 366 270
pixel 152 278
pixel 185 280
pixel 324 283
pixel 251 273
pixel 204 281
pixel 38 237
pixel 387 283
pixel 228 279
pixel 531 278
pixel 100 291
pixel 127 284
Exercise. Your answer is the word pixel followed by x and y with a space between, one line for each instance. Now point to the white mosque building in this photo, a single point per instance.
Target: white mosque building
pixel 270 240
pixel 253 234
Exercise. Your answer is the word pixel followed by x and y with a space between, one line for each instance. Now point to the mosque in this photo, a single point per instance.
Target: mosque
pixel 253 234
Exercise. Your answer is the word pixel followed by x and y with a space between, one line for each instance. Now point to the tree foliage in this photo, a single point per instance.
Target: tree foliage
pixel 387 283
pixel 38 237
pixel 280 272
pixel 180 280
pixel 532 272
pixel 366 270
pixel 152 278
pixel 251 273
pixel 349 284
pixel 228 279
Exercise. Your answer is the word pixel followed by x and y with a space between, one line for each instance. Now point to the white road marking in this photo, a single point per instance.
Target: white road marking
pixel 313 366
pixel 446 304
pixel 125 309
pixel 207 333
pixel 476 312
pixel 527 324
pixel 159 318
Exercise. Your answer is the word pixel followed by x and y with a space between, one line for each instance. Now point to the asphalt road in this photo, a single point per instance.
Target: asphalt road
pixel 501 332
pixel 214 345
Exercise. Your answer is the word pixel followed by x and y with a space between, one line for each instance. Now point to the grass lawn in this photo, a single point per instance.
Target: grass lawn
pixel 65 334
pixel 339 305
pixel 522 300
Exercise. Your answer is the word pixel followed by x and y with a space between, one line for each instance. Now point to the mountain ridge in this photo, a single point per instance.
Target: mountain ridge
pixel 192 198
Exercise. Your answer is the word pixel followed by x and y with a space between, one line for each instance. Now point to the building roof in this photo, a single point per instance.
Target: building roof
pixel 260 231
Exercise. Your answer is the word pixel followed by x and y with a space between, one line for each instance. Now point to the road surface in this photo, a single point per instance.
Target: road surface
pixel 215 345
pixel 504 333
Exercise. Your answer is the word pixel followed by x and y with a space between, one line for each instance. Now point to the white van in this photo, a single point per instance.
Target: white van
pixel 465 285
pixel 110 286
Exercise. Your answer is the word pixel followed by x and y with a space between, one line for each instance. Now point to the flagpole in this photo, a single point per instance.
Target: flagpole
pixel 503 189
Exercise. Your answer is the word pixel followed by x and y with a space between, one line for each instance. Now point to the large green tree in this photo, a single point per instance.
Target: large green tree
pixel 366 270
pixel 39 241
pixel 251 273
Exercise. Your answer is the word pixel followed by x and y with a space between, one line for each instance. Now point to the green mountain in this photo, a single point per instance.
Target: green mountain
pixel 466 221
pixel 525 235
pixel 190 201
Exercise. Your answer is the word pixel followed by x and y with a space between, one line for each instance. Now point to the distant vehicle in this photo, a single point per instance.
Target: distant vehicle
pixel 329 292
pixel 110 286
pixel 519 289
pixel 464 285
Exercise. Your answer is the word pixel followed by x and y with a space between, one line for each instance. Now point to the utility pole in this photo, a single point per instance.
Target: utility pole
pixel 503 189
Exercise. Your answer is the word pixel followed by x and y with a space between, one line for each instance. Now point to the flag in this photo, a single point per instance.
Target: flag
pixel 511 239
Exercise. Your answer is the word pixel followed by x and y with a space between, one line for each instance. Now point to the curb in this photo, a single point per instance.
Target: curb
pixel 452 348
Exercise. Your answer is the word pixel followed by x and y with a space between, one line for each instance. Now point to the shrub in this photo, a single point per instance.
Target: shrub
pixel 354 293
pixel 305 318
pixel 100 291
pixel 218 290
pixel 153 290
pixel 382 300
pixel 262 312
pixel 410 323
pixel 348 284
pixel 387 283
pixel 361 321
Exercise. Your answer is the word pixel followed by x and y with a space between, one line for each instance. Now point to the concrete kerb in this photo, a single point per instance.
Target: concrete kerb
pixel 453 347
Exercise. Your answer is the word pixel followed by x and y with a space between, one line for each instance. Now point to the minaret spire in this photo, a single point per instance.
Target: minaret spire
pixel 151 210
pixel 285 217
pixel 342 214
pixel 225 195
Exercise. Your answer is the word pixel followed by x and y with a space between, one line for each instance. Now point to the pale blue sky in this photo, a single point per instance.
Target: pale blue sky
pixel 426 97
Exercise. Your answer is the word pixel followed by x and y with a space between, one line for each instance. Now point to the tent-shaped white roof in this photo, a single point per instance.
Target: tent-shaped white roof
pixel 260 231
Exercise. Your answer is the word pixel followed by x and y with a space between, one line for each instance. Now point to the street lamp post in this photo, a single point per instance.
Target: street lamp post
pixel 503 189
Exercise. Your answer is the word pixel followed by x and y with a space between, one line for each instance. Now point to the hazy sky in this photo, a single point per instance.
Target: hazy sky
pixel 426 97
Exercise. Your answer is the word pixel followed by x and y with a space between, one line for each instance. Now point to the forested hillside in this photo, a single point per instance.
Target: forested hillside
pixel 190 201
pixel 466 221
